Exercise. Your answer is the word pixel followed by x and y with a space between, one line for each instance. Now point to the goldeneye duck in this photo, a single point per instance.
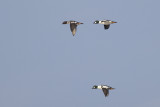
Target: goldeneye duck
pixel 104 88
pixel 73 25
pixel 106 23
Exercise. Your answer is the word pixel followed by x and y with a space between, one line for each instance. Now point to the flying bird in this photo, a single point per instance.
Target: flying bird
pixel 104 88
pixel 73 25
pixel 106 23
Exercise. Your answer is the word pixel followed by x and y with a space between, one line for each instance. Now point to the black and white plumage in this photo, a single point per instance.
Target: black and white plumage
pixel 104 88
pixel 73 25
pixel 106 23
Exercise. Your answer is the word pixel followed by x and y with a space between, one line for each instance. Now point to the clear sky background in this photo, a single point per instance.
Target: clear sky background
pixel 43 65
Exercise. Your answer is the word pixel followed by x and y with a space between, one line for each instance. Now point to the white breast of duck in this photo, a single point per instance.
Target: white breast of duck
pixel 102 86
pixel 105 22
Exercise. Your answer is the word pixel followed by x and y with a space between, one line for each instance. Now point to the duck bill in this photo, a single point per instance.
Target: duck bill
pixel 93 88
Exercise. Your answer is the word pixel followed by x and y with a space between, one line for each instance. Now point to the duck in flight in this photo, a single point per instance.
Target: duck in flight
pixel 106 23
pixel 73 25
pixel 104 88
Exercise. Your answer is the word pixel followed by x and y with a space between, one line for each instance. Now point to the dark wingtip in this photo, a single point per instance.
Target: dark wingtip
pixel 73 33
pixel 106 28
pixel 65 22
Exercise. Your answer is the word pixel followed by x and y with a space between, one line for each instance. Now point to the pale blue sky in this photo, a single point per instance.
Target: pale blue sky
pixel 43 65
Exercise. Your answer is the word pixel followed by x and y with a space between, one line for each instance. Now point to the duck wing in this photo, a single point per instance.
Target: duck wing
pixel 73 28
pixel 106 27
pixel 105 91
